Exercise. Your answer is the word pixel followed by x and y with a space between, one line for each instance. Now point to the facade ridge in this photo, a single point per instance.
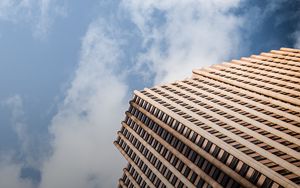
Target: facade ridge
pixel 234 124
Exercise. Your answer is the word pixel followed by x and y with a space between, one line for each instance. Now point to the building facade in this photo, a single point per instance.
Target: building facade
pixel 233 124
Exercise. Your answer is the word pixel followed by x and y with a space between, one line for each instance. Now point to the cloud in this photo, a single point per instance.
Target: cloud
pixel 49 10
pixel 39 14
pixel 297 37
pixel 190 34
pixel 30 152
pixel 10 168
pixel 15 106
pixel 286 13
pixel 86 123
pixel 10 174
pixel 184 36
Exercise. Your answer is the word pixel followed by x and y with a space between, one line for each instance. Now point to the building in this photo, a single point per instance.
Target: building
pixel 233 124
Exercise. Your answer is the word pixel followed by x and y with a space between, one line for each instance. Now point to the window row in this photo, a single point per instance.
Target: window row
pixel 189 134
pixel 224 125
pixel 163 152
pixel 267 77
pixel 141 165
pixel 237 110
pixel 251 81
pixel 219 91
pixel 271 68
pixel 137 177
pixel 222 86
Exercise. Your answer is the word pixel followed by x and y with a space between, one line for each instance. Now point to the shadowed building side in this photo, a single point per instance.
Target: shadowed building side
pixel 233 124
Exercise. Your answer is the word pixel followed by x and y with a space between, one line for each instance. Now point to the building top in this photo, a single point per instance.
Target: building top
pixel 275 74
pixel 242 118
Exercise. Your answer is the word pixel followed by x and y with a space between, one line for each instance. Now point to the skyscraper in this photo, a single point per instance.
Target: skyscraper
pixel 233 124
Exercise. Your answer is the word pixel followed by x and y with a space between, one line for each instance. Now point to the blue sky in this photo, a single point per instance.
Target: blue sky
pixel 68 69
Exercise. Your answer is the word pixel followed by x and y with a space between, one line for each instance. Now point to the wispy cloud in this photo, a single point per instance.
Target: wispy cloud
pixel 15 105
pixel 39 14
pixel 190 34
pixel 10 168
pixel 18 124
pixel 10 174
pixel 87 121
pixel 297 37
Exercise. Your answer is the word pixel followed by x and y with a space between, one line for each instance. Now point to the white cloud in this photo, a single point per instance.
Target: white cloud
pixel 10 169
pixel 273 6
pixel 39 14
pixel 87 121
pixel 194 34
pixel 10 174
pixel 15 105
pixel 297 37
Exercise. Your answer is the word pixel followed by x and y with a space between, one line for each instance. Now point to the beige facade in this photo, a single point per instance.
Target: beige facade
pixel 233 124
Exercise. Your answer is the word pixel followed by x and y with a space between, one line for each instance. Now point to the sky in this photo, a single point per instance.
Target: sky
pixel 69 68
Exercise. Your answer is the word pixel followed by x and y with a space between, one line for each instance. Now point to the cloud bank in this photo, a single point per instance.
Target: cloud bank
pixel 87 121
pixel 10 168
pixel 177 36
pixel 10 174
pixel 190 34
pixel 40 14
pixel 297 36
